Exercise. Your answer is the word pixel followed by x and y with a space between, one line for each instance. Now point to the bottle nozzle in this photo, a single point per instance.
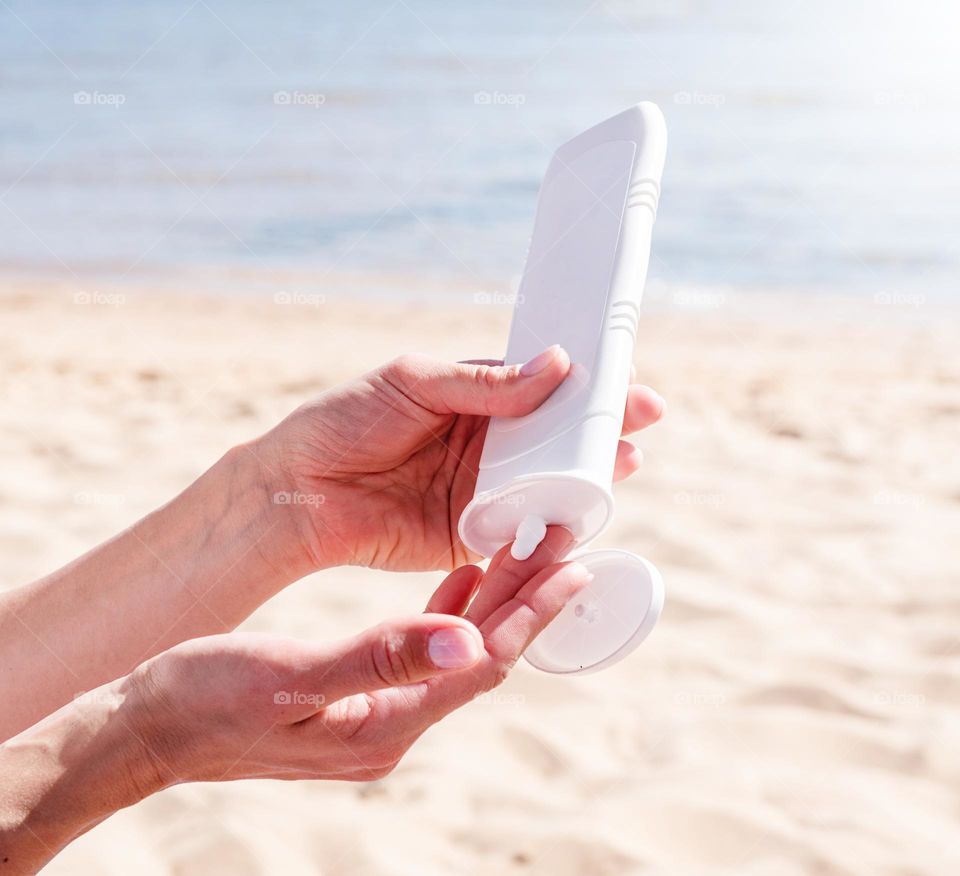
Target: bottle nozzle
pixel 531 531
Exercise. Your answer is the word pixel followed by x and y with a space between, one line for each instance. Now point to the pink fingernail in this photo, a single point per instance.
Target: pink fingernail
pixel 453 649
pixel 539 362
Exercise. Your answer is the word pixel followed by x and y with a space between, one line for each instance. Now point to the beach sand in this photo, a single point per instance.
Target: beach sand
pixel 796 711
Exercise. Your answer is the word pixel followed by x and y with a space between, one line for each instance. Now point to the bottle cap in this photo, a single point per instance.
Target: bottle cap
pixel 606 620
pixel 492 518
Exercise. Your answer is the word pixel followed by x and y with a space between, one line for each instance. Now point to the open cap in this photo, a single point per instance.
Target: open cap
pixel 606 620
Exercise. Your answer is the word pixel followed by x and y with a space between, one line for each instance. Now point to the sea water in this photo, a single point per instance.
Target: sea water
pixel 813 146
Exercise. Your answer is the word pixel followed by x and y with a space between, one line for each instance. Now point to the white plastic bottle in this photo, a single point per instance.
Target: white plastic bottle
pixel 581 288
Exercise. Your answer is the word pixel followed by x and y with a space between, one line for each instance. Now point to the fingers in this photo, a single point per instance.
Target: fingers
pixel 395 653
pixel 489 388
pixel 644 408
pixel 479 387
pixel 513 626
pixel 629 459
pixel 455 592
pixel 508 630
pixel 506 576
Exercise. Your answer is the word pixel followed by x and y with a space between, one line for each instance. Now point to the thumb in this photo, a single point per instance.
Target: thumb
pixel 396 653
pixel 484 388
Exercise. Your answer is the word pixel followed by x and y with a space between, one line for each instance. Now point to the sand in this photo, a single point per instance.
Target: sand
pixel 797 710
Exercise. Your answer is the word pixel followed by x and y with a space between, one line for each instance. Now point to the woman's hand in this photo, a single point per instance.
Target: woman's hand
pixel 375 472
pixel 378 471
pixel 247 706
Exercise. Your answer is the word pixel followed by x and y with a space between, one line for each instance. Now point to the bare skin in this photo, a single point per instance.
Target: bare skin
pixel 128 653
pixel 376 472
pixel 252 706
pixel 403 443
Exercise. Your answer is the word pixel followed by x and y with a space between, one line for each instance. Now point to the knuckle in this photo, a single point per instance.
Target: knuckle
pixel 490 376
pixel 499 673
pixel 527 604
pixel 401 376
pixel 390 661
pixel 404 367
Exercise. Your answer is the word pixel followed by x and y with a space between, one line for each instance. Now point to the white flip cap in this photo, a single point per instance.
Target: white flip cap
pixel 606 620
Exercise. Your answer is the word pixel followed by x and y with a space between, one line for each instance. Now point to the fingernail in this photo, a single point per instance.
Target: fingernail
pixel 453 649
pixel 539 362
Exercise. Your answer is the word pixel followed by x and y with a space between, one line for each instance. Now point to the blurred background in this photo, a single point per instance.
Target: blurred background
pixel 812 144
pixel 212 211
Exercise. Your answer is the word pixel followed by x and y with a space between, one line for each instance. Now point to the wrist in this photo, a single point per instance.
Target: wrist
pixel 296 505
pixel 272 507
pixel 226 543
pixel 72 770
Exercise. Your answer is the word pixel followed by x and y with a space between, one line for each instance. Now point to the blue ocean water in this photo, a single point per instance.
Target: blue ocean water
pixel 812 146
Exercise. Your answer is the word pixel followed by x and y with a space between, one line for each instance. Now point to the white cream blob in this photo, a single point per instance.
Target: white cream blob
pixel 531 531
